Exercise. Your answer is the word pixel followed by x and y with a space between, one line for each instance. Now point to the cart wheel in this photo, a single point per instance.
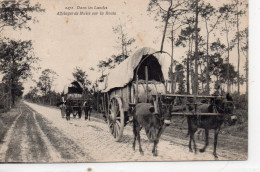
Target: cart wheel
pixel 149 135
pixel 116 118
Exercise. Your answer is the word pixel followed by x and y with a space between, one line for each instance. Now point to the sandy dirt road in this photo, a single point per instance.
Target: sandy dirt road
pixel 39 134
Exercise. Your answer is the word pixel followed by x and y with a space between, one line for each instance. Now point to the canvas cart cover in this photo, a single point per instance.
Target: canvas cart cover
pixel 73 88
pixel 124 73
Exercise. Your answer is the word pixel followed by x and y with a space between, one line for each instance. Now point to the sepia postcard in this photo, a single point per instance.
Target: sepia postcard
pixel 123 80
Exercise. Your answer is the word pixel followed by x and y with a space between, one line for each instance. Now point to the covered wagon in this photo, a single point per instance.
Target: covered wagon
pixel 137 79
pixel 74 100
pixel 145 78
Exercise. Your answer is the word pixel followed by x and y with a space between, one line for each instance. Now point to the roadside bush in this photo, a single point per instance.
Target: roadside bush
pixel 242 116
pixel 241 101
pixel 2 130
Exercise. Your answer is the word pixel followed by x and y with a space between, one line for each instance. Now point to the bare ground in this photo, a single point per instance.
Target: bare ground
pixel 39 134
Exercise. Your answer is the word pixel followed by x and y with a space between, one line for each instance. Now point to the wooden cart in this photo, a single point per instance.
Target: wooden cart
pixel 143 78
pixel 135 80
pixel 74 100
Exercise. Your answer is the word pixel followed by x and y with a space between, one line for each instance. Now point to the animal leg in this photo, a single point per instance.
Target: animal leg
pixel 68 114
pixel 154 137
pixel 161 130
pixel 155 147
pixel 156 140
pixel 191 133
pixel 192 128
pixel 135 134
pixel 215 142
pixel 86 113
pixel 80 112
pixel 192 139
pixel 190 148
pixel 206 141
pixel 139 140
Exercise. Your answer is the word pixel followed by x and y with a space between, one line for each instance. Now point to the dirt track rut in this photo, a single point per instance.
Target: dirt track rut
pixel 39 134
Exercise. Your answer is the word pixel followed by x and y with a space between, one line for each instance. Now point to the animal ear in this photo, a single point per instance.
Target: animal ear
pixel 228 97
pixel 151 109
pixel 131 109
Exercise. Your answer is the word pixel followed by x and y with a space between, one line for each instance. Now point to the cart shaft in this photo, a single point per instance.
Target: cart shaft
pixel 190 113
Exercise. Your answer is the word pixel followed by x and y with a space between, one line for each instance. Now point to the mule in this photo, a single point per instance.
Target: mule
pixel 67 109
pixel 208 122
pixel 74 111
pixel 87 109
pixel 144 115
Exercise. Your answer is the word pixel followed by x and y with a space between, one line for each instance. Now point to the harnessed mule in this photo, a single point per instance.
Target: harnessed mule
pixel 144 115
pixel 224 107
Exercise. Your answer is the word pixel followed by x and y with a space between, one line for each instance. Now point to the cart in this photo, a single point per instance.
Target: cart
pixel 74 100
pixel 144 78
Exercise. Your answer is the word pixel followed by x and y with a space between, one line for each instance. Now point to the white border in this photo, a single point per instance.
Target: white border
pixel 252 164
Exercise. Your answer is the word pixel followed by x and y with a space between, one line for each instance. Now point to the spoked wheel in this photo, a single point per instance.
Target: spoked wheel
pixel 116 118
pixel 149 135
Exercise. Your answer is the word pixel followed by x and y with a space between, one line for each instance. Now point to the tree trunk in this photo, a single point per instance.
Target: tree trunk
pixel 238 52
pixel 196 48
pixel 191 68
pixel 193 81
pixel 188 74
pixel 207 60
pixel 166 24
pixel 188 65
pixel 172 85
pixel 201 76
pixel 122 40
pixel 228 47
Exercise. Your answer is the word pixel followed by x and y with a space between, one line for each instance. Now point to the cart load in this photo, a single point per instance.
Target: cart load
pixel 158 68
pixel 74 90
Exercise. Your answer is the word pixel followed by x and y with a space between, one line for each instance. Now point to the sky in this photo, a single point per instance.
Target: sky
pixel 64 42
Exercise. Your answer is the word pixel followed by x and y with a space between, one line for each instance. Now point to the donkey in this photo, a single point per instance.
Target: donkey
pixel 225 107
pixel 144 115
